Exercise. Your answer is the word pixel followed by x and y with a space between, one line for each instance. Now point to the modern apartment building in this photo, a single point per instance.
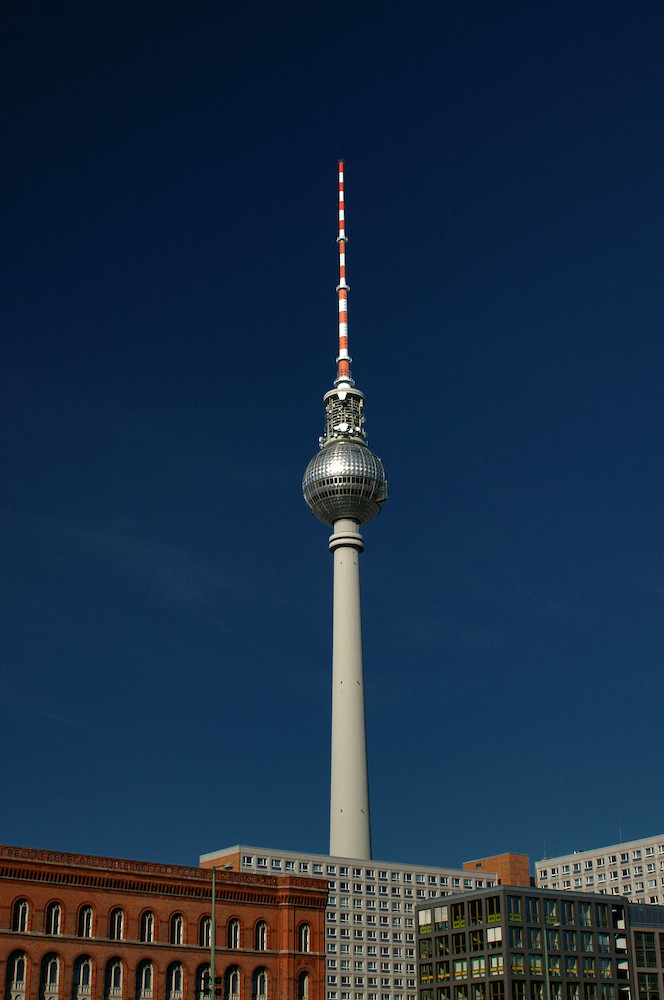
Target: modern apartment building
pixel 370 919
pixel 634 869
pixel 512 943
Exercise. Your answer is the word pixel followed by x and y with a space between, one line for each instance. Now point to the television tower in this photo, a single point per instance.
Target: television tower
pixel 345 486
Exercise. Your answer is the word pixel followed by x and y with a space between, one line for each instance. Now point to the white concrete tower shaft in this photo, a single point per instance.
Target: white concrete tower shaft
pixel 350 821
pixel 345 486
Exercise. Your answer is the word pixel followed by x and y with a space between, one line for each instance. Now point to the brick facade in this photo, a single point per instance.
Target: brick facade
pixel 76 927
pixel 511 869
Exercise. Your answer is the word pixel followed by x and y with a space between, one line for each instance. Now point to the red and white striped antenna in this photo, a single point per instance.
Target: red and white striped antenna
pixel 344 359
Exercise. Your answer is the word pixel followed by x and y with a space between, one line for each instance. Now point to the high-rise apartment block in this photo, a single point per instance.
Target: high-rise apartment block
pixel 634 869
pixel 370 919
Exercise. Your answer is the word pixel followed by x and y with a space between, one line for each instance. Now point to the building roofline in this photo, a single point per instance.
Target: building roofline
pixel 334 859
pixel 602 850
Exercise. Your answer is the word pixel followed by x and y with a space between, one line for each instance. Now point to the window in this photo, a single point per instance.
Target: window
pixel 494 937
pixel 514 907
pixel 476 940
pixel 113 978
pixel 516 937
pixel 50 976
pixel 147 926
pixel 535 965
pixel 53 918
pixel 426 971
pixel 259 984
pixel 587 943
pixel 517 964
pixel 144 978
pixel 460 968
pixel 16 971
pixel 644 948
pixel 203 983
pixel 85 922
pixel 20 916
pixel 177 929
pixel 261 936
pixel 605 968
pixel 303 986
pixel 304 940
pixel 174 981
pixel 233 933
pixel 495 965
pixel 648 986
pixel 115 924
pixel 204 932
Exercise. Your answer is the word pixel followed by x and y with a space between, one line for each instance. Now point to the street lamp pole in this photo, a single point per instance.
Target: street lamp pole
pixel 213 932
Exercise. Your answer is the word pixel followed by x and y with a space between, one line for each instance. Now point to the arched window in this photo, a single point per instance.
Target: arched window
pixel 147 926
pixel 113 978
pixel 304 939
pixel 20 915
pixel 50 977
pixel 174 982
pixel 16 974
pixel 144 977
pixel 116 924
pixel 259 984
pixel 234 933
pixel 303 986
pixel 204 932
pixel 52 924
pixel 203 990
pixel 85 922
pixel 232 983
pixel 261 936
pixel 82 977
pixel 177 929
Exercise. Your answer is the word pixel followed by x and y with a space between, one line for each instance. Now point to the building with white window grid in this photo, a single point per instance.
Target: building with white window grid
pixel 634 869
pixel 370 918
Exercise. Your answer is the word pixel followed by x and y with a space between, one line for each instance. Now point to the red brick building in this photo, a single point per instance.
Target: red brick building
pixel 511 869
pixel 75 927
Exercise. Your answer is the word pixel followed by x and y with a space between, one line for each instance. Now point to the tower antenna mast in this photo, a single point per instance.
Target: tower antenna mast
pixel 343 359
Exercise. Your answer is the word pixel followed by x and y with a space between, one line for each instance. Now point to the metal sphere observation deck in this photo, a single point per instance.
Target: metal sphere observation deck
pixel 345 479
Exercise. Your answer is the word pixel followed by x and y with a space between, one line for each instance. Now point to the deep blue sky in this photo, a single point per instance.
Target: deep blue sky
pixel 169 326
